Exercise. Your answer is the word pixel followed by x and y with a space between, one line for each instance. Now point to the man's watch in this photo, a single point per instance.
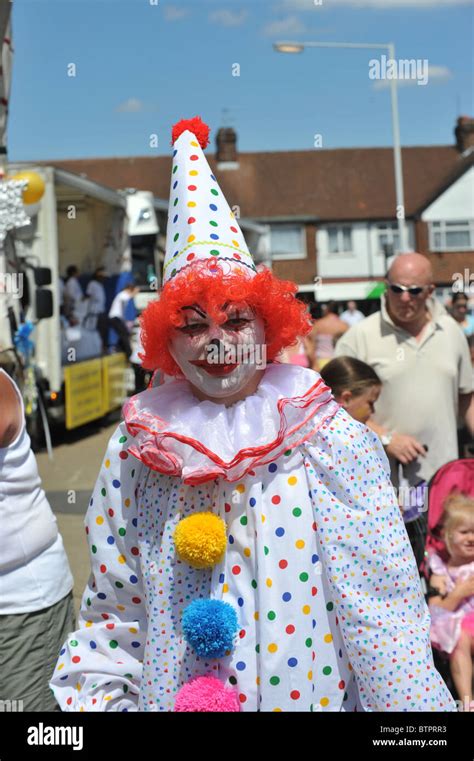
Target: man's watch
pixel 386 438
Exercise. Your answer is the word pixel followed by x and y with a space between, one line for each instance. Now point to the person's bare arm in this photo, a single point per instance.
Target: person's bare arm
pixel 10 412
pixel 466 410
pixel 379 429
pixel 310 350
pixel 402 447
pixel 310 343
pixel 342 328
pixel 454 598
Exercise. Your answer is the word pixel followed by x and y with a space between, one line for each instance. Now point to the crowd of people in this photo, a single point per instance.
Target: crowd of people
pixel 404 371
pixel 257 534
pixel 90 326
pixel 407 372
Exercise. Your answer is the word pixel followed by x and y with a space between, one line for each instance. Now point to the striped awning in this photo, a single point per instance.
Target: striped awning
pixel 345 291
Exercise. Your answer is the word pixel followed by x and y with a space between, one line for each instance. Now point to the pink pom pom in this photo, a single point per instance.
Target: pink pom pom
pixel 206 693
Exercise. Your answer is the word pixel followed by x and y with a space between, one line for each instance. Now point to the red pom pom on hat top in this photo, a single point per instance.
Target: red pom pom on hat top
pixel 196 125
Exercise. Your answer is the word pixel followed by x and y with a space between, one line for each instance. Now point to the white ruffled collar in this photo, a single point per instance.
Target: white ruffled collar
pixel 177 434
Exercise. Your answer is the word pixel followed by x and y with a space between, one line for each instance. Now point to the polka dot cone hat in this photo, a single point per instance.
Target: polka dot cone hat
pixel 201 225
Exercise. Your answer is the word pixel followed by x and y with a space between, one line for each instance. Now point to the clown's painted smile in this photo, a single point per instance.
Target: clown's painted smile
pixel 217 369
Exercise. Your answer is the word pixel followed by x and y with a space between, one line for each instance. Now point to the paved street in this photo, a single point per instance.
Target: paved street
pixel 68 481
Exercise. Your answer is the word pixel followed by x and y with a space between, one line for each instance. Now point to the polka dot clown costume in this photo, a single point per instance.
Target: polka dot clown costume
pixel 246 555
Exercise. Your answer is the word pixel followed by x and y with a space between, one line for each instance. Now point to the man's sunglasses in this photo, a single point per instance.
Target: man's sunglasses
pixel 413 290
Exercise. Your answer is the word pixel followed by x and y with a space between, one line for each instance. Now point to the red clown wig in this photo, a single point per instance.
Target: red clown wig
pixel 285 318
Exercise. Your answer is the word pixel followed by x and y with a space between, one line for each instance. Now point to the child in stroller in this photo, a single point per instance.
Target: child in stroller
pixel 449 566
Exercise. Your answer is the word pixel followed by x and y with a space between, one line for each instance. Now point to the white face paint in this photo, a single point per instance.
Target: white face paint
pixel 219 360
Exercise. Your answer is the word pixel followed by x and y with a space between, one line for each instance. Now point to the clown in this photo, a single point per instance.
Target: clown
pixel 245 555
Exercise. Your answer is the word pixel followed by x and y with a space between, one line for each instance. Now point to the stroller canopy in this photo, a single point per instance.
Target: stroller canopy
pixel 455 476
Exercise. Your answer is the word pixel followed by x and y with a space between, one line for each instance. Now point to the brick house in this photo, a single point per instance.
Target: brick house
pixel 330 212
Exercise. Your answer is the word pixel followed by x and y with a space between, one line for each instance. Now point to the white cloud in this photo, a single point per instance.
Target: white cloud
pixel 440 72
pixel 284 27
pixel 435 74
pixel 307 5
pixel 226 17
pixel 174 13
pixel 132 105
pixel 298 5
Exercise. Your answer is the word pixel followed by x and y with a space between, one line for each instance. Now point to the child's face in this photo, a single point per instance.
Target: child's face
pixel 360 407
pixel 461 542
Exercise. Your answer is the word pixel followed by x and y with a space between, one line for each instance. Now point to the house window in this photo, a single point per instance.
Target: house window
pixel 340 240
pixel 288 241
pixel 387 234
pixel 452 236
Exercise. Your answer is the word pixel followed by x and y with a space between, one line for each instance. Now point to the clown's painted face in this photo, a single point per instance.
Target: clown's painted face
pixel 219 359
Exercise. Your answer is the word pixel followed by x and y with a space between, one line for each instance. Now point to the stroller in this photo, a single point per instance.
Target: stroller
pixel 454 476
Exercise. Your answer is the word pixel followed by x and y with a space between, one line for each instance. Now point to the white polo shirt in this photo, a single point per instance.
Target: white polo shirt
pixel 421 381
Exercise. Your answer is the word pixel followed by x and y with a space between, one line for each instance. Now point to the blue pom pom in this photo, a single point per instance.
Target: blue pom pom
pixel 209 627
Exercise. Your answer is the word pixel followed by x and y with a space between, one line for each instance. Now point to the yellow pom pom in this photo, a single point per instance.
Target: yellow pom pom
pixel 201 539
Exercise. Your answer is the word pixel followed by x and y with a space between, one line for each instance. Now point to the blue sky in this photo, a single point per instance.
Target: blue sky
pixel 141 65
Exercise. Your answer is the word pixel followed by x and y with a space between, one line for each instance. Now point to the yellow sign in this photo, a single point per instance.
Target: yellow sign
pixel 93 388
pixel 114 368
pixel 83 389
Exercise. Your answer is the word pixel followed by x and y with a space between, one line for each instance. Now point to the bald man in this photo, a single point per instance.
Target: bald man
pixel 423 360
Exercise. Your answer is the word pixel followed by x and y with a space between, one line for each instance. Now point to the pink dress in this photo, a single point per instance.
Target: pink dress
pixel 446 625
pixel 298 358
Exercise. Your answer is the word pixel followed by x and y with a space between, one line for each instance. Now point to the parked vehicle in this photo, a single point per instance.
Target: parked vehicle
pixel 78 222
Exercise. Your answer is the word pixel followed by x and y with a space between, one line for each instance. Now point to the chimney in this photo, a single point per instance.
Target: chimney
pixel 226 148
pixel 464 133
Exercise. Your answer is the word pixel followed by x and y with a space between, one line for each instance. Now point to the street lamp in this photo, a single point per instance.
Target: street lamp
pixel 298 47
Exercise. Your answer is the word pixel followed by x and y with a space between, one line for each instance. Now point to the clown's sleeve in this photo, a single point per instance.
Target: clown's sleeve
pixel 99 666
pixel 371 571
